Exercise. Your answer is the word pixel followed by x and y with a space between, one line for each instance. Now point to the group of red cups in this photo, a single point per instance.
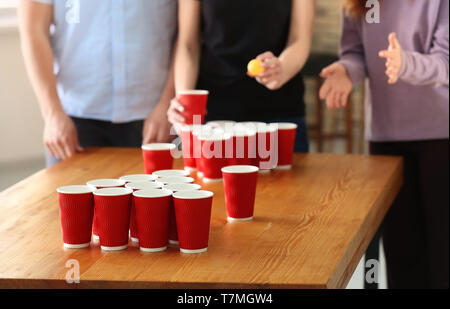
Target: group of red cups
pixel 164 206
pixel 208 148
pixel 154 210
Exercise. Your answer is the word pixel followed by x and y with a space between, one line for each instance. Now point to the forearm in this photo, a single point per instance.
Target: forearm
pixel 38 57
pixel 187 62
pixel 294 58
pixel 297 50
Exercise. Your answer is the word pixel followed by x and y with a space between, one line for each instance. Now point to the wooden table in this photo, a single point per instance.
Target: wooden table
pixel 312 225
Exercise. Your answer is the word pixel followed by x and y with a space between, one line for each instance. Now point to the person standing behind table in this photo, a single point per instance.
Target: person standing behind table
pixel 407 114
pixel 217 39
pixel 102 75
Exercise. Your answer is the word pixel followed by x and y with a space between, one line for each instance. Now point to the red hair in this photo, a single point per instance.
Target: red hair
pixel 356 8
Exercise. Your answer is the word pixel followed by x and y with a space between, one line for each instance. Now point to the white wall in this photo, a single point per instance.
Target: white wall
pixel 21 124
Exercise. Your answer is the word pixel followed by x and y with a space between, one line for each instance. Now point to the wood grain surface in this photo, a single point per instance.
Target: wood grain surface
pixel 312 225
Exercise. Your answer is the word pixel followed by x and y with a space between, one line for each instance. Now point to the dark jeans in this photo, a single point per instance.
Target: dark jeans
pixel 93 133
pixel 416 229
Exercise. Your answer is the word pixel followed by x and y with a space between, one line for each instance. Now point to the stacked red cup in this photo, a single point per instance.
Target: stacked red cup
pixel 135 186
pixel 215 146
pixel 158 156
pixel 193 216
pixel 266 145
pixel 198 131
pixel 286 143
pixel 175 187
pixel 102 184
pixel 76 206
pixel 244 145
pixel 187 144
pixel 113 206
pixel 194 103
pixel 153 213
pixel 240 190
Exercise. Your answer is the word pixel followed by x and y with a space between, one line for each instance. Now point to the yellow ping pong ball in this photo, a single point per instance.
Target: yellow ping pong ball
pixel 255 67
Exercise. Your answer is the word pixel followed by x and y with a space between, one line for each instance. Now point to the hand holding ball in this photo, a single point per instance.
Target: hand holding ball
pixel 255 67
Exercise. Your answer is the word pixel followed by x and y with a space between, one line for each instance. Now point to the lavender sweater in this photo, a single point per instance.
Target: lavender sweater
pixel 416 108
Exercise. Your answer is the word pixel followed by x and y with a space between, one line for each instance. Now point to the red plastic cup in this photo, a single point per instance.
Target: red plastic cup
pixel 102 184
pixel 286 144
pixel 152 217
pixel 113 207
pixel 187 142
pixel 142 185
pixel 174 179
pixel 76 208
pixel 170 173
pixel 244 146
pixel 266 147
pixel 193 216
pixel 240 189
pixel 157 156
pixel 198 130
pixel 214 155
pixel 194 103
pixel 138 178
pixel 175 187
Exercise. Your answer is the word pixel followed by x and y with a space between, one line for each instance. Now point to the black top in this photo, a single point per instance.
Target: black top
pixel 234 32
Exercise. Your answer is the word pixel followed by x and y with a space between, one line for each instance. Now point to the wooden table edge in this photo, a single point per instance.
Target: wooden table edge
pixel 385 201
pixel 24 283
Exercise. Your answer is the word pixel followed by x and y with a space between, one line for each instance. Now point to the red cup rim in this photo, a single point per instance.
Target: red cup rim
pixel 285 125
pixel 143 185
pixel 193 92
pixel 106 183
pixel 193 195
pixel 138 178
pixel 260 127
pixel 153 193
pixel 215 137
pixel 75 189
pixel 190 127
pixel 240 169
pixel 113 192
pixel 203 130
pixel 176 187
pixel 170 173
pixel 220 123
pixel 159 146
pixel 175 179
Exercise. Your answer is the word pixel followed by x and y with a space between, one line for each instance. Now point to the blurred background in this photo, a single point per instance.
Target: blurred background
pixel 21 125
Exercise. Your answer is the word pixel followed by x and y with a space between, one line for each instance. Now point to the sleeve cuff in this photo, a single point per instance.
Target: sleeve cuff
pixel 354 70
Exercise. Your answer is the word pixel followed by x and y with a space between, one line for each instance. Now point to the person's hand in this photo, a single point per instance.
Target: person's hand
pixel 337 86
pixel 174 113
pixel 394 58
pixel 156 126
pixel 273 75
pixel 60 136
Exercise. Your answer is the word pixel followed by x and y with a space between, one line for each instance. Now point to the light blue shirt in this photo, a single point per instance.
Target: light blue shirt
pixel 112 57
